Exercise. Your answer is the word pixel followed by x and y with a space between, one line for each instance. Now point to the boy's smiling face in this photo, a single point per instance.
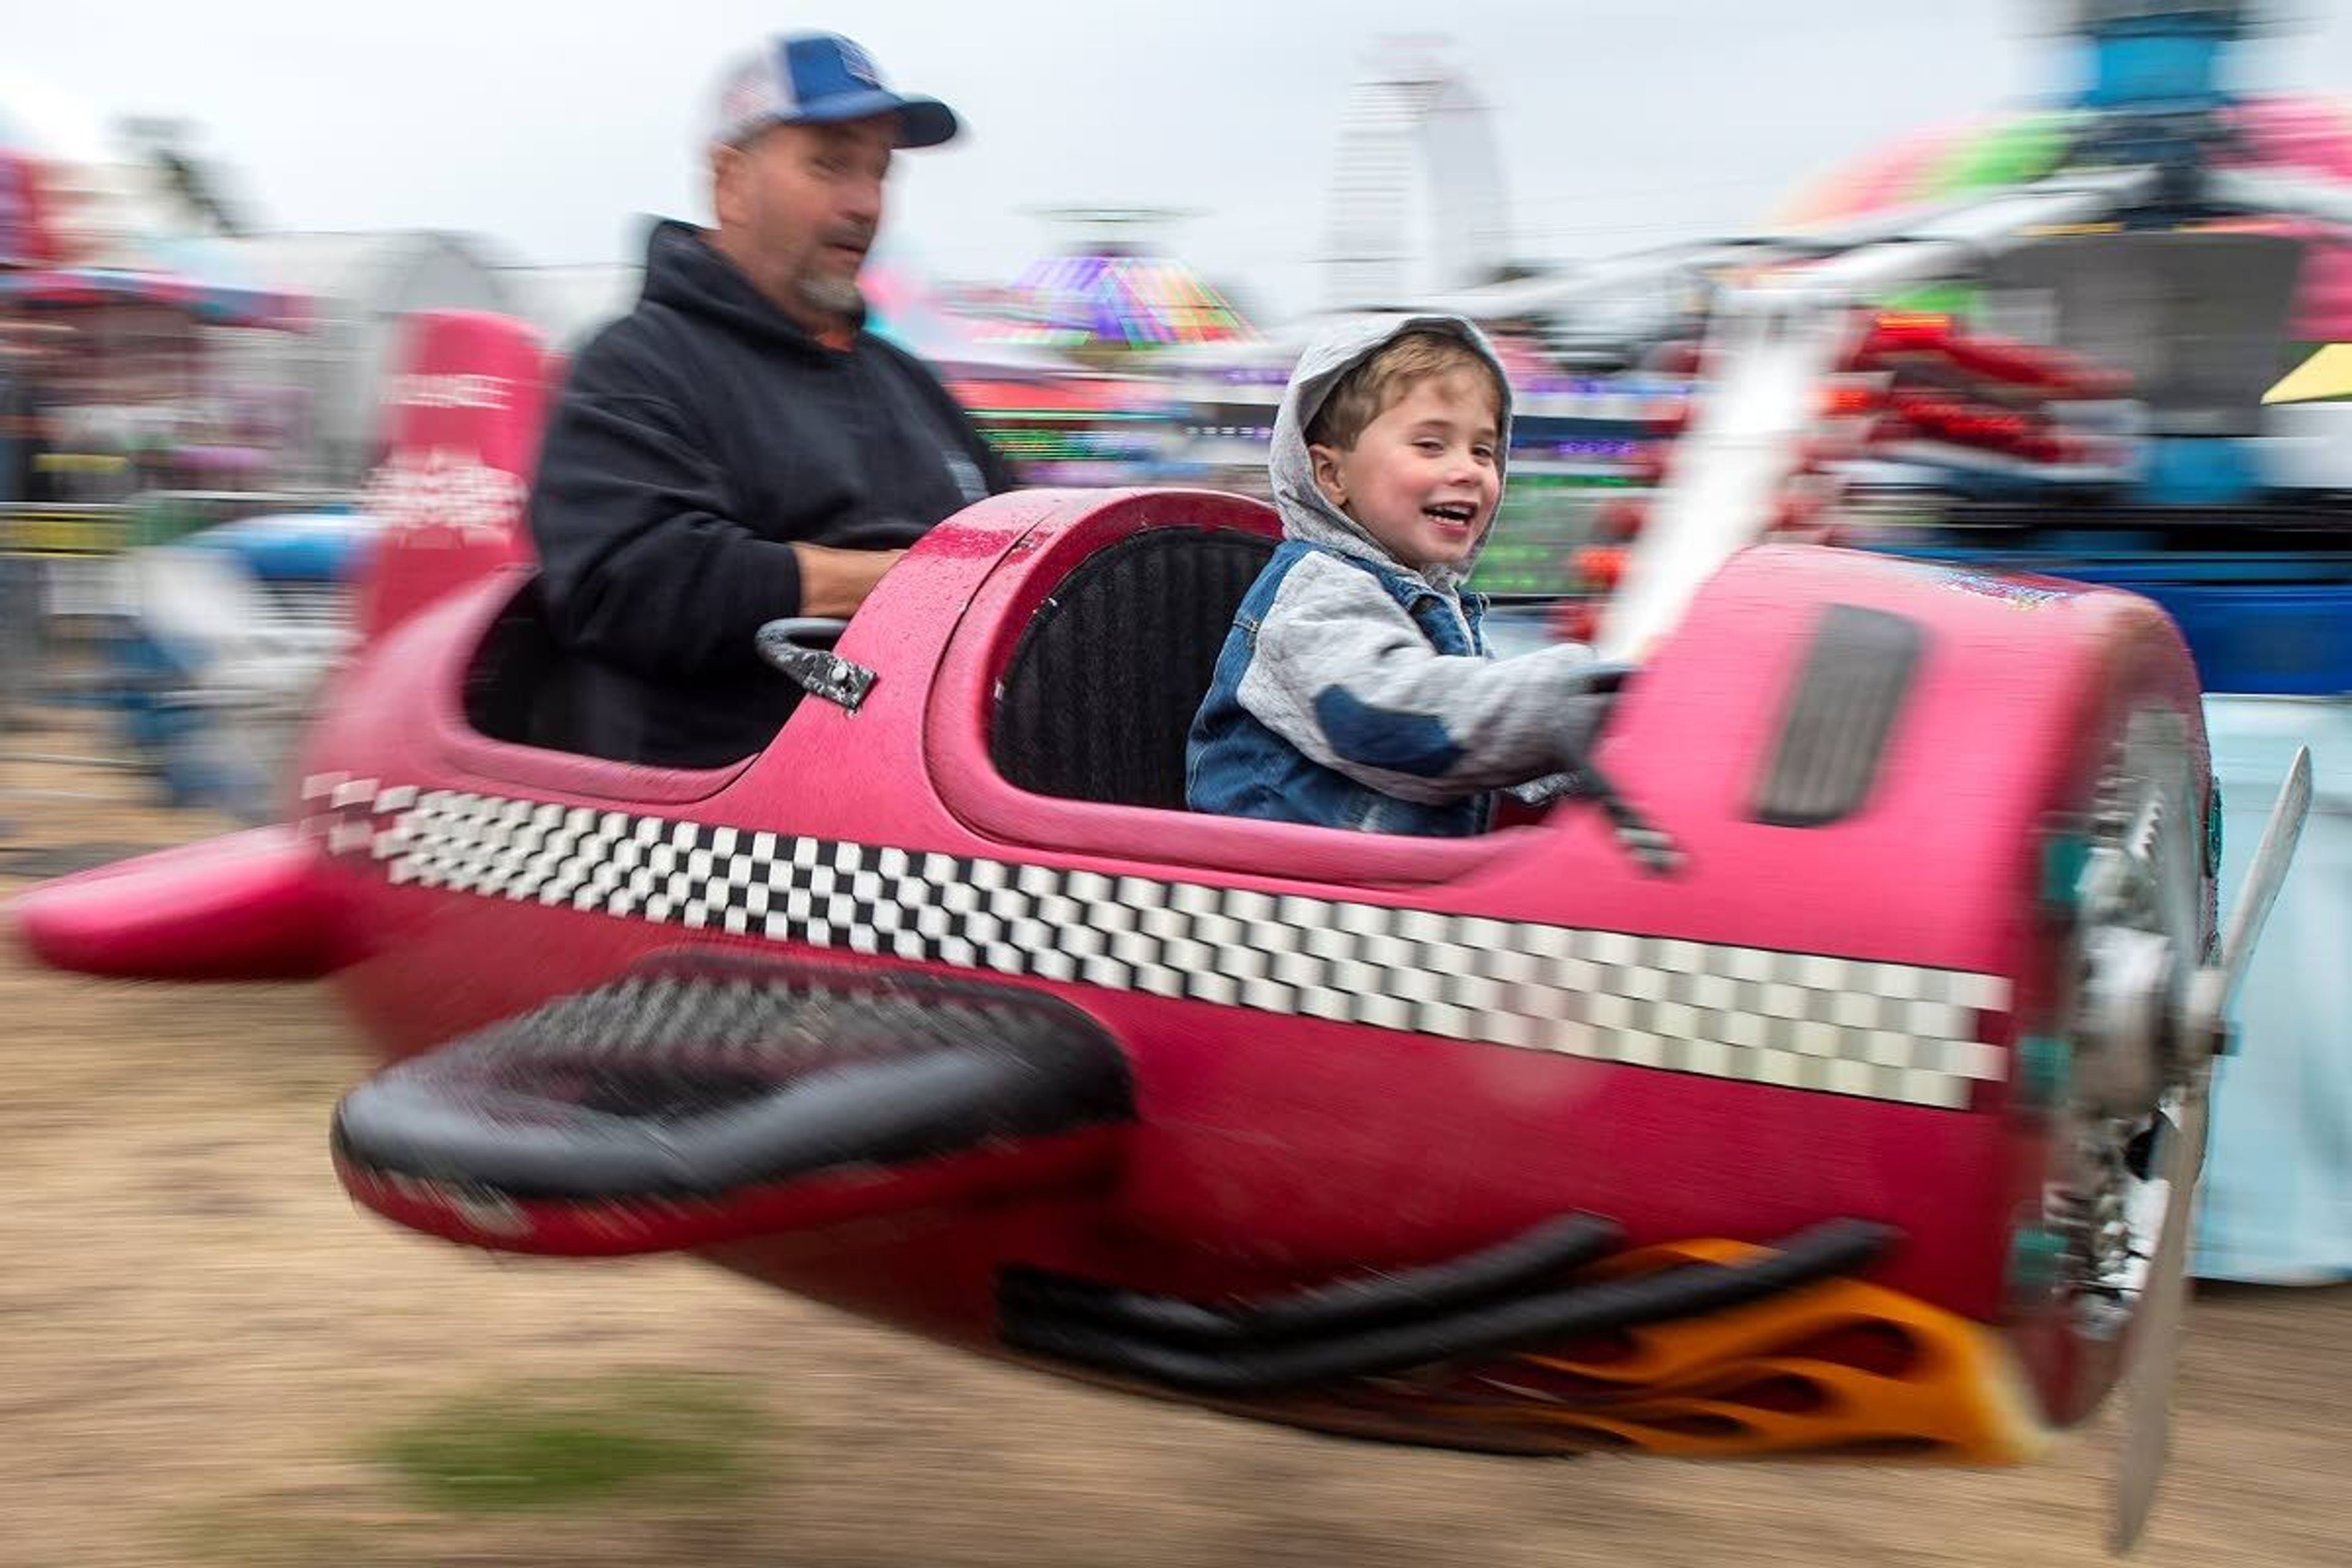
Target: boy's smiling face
pixel 1424 477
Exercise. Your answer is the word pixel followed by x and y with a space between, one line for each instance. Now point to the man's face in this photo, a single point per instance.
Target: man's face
pixel 798 206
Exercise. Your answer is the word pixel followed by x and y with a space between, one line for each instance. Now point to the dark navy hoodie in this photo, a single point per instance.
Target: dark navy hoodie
pixel 695 440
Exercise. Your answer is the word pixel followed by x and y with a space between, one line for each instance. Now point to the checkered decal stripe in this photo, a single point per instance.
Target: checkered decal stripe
pixel 1883 1031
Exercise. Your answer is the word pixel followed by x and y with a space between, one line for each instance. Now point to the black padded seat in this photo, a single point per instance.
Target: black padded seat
pixel 514 686
pixel 1101 690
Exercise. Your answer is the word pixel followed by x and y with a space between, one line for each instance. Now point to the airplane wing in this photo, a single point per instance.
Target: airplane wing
pixel 701 1099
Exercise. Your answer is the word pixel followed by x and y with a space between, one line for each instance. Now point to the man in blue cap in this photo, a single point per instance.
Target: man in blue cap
pixel 739 447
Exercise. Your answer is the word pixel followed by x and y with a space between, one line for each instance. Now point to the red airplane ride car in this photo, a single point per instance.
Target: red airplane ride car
pixel 1817 1083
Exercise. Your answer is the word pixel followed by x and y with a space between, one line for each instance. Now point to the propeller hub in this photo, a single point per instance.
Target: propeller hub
pixel 2126 1030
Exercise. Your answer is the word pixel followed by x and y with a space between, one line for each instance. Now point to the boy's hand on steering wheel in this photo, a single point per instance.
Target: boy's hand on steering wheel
pixel 1589 706
pixel 1608 678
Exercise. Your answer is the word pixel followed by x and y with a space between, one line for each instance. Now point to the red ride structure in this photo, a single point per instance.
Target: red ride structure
pixel 1789 1092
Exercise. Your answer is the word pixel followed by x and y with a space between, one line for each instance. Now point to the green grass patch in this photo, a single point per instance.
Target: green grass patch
pixel 534 1446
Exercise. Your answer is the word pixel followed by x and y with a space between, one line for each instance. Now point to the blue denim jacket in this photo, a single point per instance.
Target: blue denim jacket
pixel 1235 766
pixel 1355 691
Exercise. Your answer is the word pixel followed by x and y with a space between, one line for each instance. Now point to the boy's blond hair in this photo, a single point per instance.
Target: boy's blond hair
pixel 1374 386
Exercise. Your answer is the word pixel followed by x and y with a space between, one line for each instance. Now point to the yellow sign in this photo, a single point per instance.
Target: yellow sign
pixel 64 531
pixel 2328 373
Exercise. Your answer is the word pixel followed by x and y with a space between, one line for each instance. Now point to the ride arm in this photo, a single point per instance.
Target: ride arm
pixel 2330 201
pixel 1771 347
pixel 1341 671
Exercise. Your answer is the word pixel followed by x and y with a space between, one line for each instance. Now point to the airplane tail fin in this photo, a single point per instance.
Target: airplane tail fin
pixel 462 422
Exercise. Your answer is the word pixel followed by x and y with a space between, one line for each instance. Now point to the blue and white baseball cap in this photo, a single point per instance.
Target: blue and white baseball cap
pixel 812 78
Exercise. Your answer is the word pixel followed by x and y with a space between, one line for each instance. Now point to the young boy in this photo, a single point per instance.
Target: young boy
pixel 1356 690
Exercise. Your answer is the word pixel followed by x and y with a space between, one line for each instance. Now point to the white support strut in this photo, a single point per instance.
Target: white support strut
pixel 1769 351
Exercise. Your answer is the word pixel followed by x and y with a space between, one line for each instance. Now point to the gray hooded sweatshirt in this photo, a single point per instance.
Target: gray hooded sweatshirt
pixel 1355 691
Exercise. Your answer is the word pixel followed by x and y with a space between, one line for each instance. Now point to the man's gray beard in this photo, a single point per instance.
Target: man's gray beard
pixel 834 296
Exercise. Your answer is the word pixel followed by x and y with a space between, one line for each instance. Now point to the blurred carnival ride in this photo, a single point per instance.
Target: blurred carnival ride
pixel 134 424
pixel 1774 1096
pixel 943 1009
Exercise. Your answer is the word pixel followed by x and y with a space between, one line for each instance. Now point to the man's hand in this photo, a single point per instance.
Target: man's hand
pixel 833 582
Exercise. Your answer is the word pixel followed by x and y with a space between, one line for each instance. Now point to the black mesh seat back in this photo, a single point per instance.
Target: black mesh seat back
pixel 517 688
pixel 1102 688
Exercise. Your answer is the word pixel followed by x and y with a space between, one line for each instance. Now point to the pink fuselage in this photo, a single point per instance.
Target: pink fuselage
pixel 1270 1148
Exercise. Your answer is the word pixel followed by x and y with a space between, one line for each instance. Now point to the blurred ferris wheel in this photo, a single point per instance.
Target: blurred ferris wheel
pixel 1417 201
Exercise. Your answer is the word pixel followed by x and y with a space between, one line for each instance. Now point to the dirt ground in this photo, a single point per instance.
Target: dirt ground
pixel 203 1343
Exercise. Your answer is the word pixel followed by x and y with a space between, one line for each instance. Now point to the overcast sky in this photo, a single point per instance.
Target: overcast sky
pixel 549 127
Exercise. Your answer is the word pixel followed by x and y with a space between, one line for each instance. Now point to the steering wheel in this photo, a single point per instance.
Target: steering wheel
pixel 801 649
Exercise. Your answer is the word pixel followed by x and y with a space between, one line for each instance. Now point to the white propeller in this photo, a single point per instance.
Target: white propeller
pixel 2154 1358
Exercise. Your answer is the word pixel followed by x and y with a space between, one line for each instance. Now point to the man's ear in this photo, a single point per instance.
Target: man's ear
pixel 729 170
pixel 1325 462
